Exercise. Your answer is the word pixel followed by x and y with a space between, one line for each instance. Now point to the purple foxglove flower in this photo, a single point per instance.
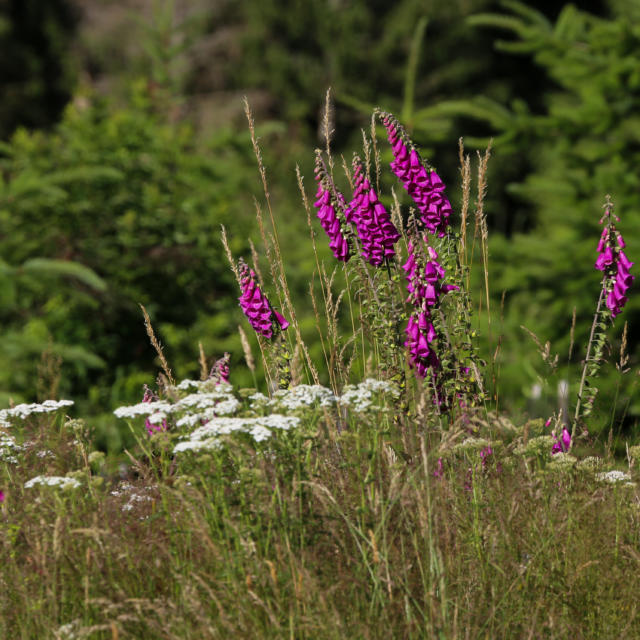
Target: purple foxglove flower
pixel 613 262
pixel 484 455
pixel 331 225
pixel 425 284
pixel 563 443
pixel 439 472
pixel 420 334
pixel 152 428
pixel 1 496
pixel 326 206
pixel 220 369
pixel 372 221
pixel 352 212
pixel 423 185
pixel 261 315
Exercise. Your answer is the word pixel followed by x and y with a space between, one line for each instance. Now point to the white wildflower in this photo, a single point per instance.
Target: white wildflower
pixel 227 407
pixel 187 384
pixel 22 411
pixel 209 384
pixel 197 445
pixel 123 487
pixel 221 409
pixel 206 436
pixel 133 499
pixel 9 448
pixel 562 461
pixel 190 420
pixel 591 463
pixel 277 421
pixel 220 426
pixel 157 418
pixel 143 409
pixel 303 395
pixel 52 481
pixel 379 386
pixel 613 476
pixel 258 400
pixel 538 446
pixel 134 495
pixel 360 397
pixel 260 433
pixel 203 400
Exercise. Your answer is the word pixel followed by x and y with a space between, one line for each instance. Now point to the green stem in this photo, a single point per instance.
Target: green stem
pixel 586 363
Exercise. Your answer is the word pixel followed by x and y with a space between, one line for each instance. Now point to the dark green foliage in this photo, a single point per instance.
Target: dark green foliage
pixel 36 71
pixel 581 143
pixel 139 203
pixel 584 145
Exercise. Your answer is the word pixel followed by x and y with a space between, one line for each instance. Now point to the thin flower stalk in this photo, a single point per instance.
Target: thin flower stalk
pixel 616 280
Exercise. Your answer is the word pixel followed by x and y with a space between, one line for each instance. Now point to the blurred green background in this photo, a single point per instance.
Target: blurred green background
pixel 124 147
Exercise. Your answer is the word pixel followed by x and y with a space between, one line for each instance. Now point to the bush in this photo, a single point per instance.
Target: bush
pixel 140 203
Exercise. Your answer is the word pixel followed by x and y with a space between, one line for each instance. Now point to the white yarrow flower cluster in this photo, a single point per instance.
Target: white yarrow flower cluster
pixel 52 481
pixel 22 411
pixel 224 408
pixel 143 409
pixel 360 397
pixel 9 448
pixel 208 435
pixel 221 399
pixel 210 408
pixel 186 384
pixel 258 401
pixel 613 476
pixel 303 396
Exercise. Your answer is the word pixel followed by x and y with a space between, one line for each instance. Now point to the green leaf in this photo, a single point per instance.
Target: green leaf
pixel 64 268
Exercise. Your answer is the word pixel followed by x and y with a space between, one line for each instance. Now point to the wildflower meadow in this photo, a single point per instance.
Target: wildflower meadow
pixel 376 491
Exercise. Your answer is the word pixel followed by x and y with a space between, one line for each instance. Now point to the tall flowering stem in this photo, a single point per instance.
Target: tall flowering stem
pixel 421 182
pixel 460 367
pixel 328 201
pixel 425 285
pixel 616 280
pixel 613 262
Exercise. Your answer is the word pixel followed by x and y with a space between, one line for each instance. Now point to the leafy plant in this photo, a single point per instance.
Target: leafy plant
pixel 120 193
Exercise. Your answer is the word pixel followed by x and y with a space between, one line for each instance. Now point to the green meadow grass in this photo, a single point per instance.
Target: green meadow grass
pixel 342 527
pixel 379 506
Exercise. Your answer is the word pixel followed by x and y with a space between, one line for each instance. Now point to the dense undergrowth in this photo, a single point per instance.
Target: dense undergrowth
pixel 393 502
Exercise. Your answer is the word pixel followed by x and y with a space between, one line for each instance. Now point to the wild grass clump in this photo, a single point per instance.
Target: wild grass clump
pixel 394 500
